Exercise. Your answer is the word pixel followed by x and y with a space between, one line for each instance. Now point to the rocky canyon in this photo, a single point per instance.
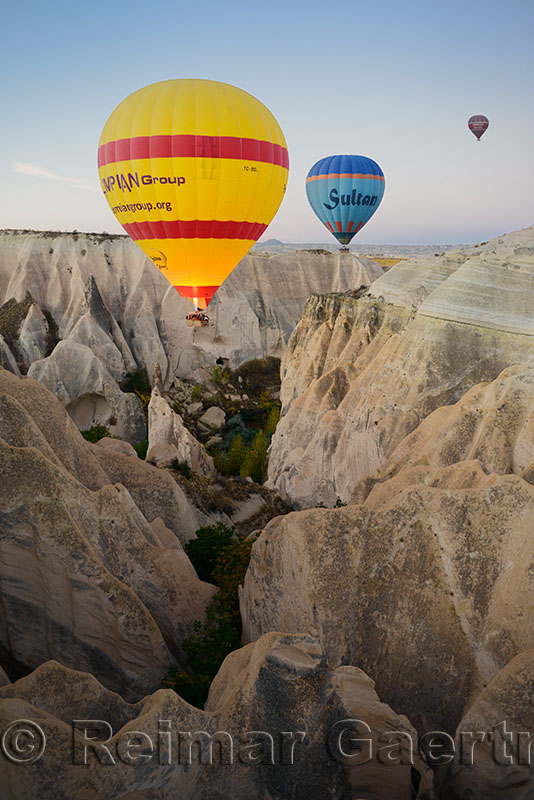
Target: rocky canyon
pixel 385 638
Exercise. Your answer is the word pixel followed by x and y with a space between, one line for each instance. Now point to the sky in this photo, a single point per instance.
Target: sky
pixel 394 80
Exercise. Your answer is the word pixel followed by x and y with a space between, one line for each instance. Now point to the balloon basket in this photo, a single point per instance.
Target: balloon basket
pixel 197 320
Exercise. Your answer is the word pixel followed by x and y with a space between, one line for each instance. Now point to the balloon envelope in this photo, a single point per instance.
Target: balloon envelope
pixel 478 125
pixel 194 170
pixel 344 192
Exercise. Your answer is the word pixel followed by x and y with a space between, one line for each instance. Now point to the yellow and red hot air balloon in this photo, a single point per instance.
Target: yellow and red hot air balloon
pixel 194 170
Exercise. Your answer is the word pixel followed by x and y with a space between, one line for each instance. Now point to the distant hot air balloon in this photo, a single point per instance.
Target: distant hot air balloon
pixel 194 170
pixel 478 125
pixel 344 192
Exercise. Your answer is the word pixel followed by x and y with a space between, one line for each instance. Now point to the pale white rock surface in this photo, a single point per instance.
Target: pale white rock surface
pixel 89 391
pixel 360 374
pixel 33 335
pixel 168 438
pixel 489 430
pixel 7 359
pixel 252 315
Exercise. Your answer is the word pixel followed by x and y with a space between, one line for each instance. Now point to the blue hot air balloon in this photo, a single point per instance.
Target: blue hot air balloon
pixel 344 192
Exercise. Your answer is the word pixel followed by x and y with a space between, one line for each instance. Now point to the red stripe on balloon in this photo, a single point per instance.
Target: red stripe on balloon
pixel 190 146
pixel 194 229
pixel 201 296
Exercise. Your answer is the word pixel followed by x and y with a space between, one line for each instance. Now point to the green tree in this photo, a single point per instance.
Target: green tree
pixel 231 464
pixel 256 461
pixel 272 420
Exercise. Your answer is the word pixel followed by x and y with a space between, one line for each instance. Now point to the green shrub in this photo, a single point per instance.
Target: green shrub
pixel 205 650
pixel 137 381
pixel 256 460
pixel 258 375
pixel 235 426
pixel 95 433
pixel 177 408
pixel 196 393
pixel 141 448
pixel 219 375
pixel 204 550
pixel 182 467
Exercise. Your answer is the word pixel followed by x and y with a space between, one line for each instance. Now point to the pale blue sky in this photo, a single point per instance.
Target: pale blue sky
pixel 395 81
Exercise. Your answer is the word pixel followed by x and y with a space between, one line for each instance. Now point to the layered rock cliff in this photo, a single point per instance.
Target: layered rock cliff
pixel 361 373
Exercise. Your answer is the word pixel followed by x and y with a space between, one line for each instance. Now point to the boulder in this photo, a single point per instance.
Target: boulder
pixel 168 438
pixel 212 419
pixel 116 446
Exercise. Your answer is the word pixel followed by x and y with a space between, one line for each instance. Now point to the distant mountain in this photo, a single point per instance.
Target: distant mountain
pixel 272 243
pixel 371 250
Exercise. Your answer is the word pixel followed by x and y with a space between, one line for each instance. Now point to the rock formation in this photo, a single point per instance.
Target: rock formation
pixel 281 718
pixel 112 312
pixel 169 439
pixel 361 373
pixel 89 392
pixel 412 400
pixel 92 568
pixel 489 430
pixel 415 402
pixel 493 743
pixel 83 279
pixel 429 595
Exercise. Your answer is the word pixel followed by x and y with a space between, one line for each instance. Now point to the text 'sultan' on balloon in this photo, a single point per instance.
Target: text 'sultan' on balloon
pixel 344 192
pixel 478 125
pixel 194 170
